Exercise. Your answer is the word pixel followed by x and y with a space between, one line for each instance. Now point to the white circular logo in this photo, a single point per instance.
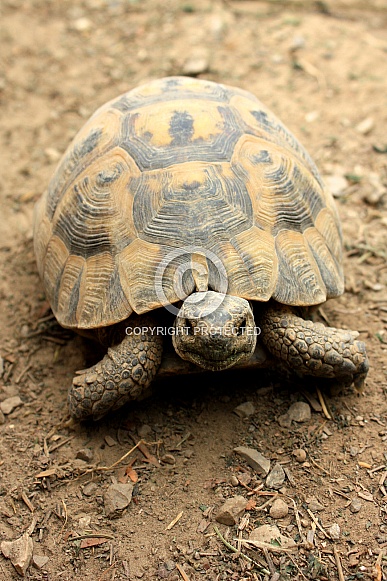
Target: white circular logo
pixel 183 261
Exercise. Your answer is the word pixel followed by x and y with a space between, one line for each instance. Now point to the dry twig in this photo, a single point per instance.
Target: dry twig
pixel 323 404
pixel 182 572
pixel 235 550
pixel 174 521
pixel 338 564
pixel 314 519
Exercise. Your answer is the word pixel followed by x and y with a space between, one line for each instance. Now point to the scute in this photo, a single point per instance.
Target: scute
pixel 175 167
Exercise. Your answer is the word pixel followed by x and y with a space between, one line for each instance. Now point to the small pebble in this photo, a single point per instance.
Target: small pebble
pixel 299 412
pixel 234 480
pixel 117 498
pixel 365 126
pixel 145 432
pixel 39 561
pixel 279 509
pixel 314 505
pixel 196 64
pixel 168 459
pixel 244 410
pixel 85 454
pixel 334 531
pixel 297 43
pixel 82 24
pixel 270 533
pixel 84 522
pixel 231 510
pixel 276 477
pixel 254 459
pixel 52 154
pixel 244 478
pixel 89 489
pixel 299 454
pixel 8 391
pixel 337 184
pixel 19 552
pixel 110 441
pixel 10 404
pixel 355 505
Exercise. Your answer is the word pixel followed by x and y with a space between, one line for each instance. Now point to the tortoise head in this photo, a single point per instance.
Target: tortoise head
pixel 214 330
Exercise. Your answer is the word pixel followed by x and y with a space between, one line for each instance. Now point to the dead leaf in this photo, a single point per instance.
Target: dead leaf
pixel 132 474
pixel 151 459
pixel 45 473
pixel 92 542
pixel 251 503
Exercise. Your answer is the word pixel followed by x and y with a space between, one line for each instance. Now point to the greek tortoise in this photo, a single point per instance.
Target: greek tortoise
pixel 190 194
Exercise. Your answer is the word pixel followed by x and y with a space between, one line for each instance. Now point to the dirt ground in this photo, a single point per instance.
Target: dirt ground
pixel 321 66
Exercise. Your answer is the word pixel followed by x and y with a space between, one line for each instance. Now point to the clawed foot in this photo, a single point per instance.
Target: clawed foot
pixel 121 376
pixel 313 349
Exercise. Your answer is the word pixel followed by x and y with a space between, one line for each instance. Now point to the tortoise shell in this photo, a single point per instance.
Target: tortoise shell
pixel 176 166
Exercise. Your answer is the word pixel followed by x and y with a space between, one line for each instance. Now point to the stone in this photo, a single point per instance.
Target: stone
pixel 110 441
pixel 84 522
pixel 19 552
pixel 255 459
pixel 116 498
pixel 234 480
pixel 8 391
pixel 10 404
pixel 231 510
pixel 85 454
pixel 299 412
pixel 337 184
pixel 39 561
pixel 145 432
pixel 314 505
pixel 299 454
pixel 82 24
pixel 89 489
pixel 334 532
pixel 197 63
pixel 2 418
pixel 168 459
pixel 279 509
pixel 276 477
pixel 365 126
pixel 355 505
pixel 244 478
pixel 285 421
pixel 52 154
pixel 244 410
pixel 269 533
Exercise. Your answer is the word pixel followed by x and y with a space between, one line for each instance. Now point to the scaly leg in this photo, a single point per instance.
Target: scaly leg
pixel 122 375
pixel 313 349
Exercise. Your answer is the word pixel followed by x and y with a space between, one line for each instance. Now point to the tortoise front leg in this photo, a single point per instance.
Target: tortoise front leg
pixel 122 375
pixel 313 349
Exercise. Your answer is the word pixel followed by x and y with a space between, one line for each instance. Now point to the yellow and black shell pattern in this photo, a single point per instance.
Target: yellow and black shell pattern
pixel 174 165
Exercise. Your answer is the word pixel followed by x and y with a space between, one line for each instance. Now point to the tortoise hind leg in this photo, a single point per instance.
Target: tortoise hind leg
pixel 122 375
pixel 313 349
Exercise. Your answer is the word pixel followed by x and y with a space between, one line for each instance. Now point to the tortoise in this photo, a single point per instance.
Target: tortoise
pixel 191 195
